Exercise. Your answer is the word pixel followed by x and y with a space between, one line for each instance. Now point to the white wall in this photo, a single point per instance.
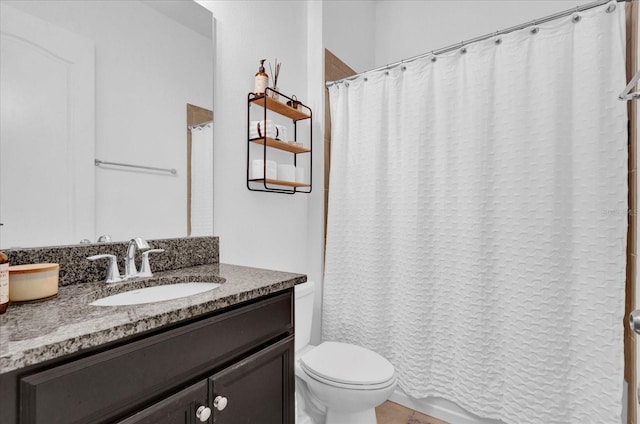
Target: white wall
pixel 350 31
pixel 367 34
pixel 47 110
pixel 315 223
pixel 406 28
pixel 258 229
pixel 275 231
pixel 147 68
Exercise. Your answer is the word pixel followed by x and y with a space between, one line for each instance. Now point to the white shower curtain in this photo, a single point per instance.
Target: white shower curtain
pixel 477 222
pixel 202 180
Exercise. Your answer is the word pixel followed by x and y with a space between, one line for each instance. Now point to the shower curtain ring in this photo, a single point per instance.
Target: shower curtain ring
pixel 611 8
pixel 534 30
pixel 576 17
pixel 497 38
pixel 433 58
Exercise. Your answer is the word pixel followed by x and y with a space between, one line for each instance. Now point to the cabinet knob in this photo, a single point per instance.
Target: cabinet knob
pixel 220 402
pixel 203 413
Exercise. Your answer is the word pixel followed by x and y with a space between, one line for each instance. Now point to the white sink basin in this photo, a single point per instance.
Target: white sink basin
pixel 155 294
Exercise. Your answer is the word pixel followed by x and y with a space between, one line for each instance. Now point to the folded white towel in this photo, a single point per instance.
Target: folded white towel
pixel 257 169
pixel 257 129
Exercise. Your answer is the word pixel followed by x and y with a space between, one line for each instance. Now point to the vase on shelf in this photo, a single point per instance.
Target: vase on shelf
pixel 274 94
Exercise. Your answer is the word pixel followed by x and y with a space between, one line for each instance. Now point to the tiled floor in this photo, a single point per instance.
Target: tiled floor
pixel 392 413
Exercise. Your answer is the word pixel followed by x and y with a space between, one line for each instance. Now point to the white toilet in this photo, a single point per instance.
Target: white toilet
pixel 337 382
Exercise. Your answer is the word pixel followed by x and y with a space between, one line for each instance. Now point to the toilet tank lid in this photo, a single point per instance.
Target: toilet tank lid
pixel 347 363
pixel 304 288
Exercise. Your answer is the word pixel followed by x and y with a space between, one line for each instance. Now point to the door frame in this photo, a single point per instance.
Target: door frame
pixel 76 54
pixel 196 115
pixel 630 348
pixel 334 69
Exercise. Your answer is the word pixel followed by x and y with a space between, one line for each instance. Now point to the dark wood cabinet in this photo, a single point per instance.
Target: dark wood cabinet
pixel 180 408
pixel 244 354
pixel 259 389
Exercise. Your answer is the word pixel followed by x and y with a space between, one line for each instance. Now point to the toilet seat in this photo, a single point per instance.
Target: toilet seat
pixel 383 385
pixel 348 366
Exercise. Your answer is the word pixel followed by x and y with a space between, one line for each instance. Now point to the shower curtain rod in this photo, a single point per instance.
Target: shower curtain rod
pixel 485 37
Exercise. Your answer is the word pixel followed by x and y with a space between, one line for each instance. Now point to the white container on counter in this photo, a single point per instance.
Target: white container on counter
pixel 33 281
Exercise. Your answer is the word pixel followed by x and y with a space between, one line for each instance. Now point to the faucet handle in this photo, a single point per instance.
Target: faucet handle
pixel 113 273
pixel 145 270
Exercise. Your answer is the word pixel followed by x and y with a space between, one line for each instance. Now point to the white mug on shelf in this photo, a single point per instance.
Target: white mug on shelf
pixel 281 133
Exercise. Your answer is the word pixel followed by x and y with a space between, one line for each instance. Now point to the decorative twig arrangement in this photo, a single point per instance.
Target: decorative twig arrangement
pixel 274 75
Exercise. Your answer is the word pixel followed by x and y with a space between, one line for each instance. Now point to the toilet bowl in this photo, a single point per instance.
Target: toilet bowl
pixel 336 383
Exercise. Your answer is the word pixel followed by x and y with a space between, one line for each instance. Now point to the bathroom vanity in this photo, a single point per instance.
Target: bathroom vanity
pixel 223 356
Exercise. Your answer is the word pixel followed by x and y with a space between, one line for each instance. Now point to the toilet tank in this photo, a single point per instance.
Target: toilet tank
pixel 303 313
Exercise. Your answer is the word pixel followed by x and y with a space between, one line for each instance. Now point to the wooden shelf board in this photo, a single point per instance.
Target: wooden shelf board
pixel 280 182
pixel 277 144
pixel 281 108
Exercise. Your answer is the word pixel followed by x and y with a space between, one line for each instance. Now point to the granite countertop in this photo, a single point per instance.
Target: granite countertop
pixel 35 332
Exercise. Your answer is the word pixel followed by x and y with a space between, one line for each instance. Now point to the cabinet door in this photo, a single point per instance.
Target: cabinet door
pixel 258 389
pixel 177 409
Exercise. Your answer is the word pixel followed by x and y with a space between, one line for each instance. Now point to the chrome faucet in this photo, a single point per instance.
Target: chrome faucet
pixel 130 270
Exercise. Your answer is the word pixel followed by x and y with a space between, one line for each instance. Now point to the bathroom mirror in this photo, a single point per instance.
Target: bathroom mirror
pixel 106 80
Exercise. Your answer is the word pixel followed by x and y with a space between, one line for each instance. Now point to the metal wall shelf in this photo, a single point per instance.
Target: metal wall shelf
pixel 277 144
pixel 302 113
pixel 280 182
pixel 279 107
